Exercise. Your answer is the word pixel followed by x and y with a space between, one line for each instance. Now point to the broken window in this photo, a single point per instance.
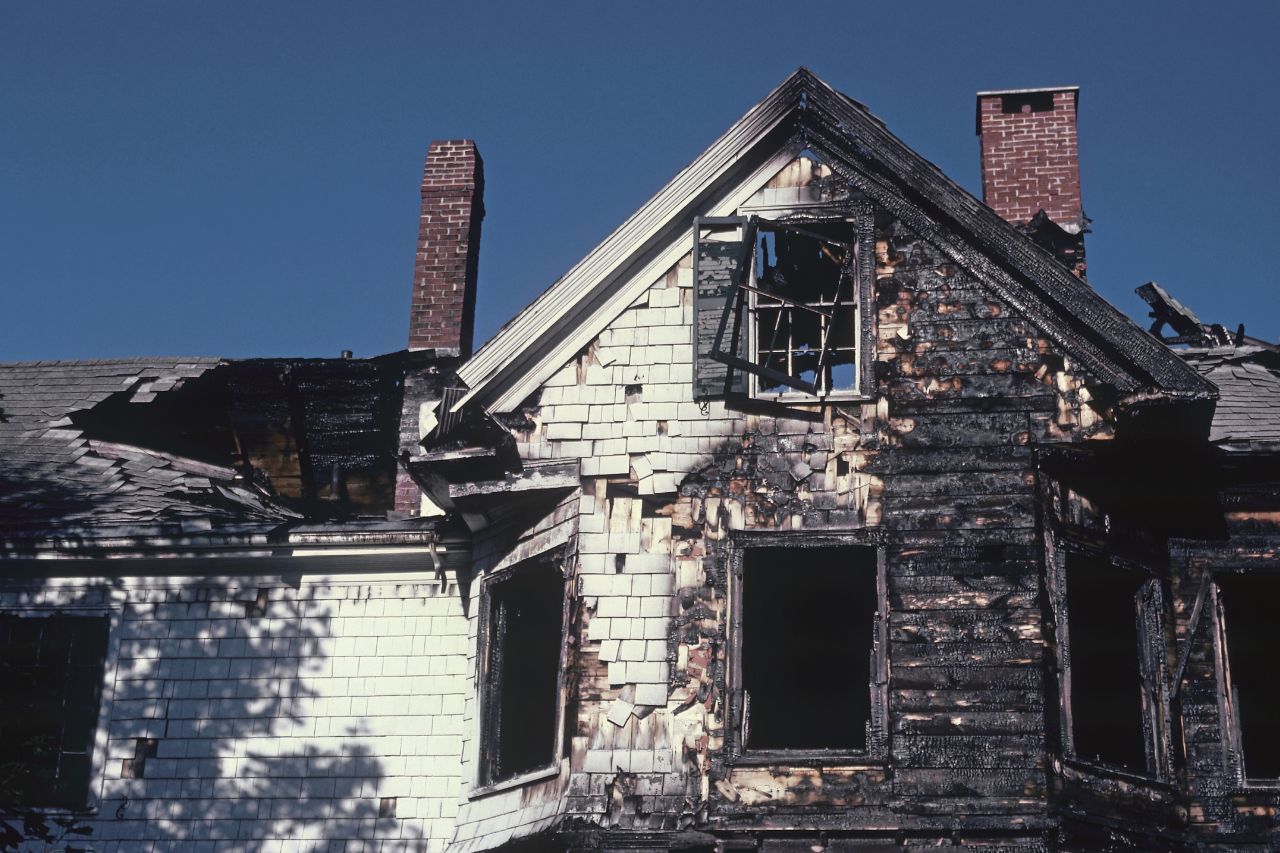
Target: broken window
pixel 1111 665
pixel 780 302
pixel 1247 614
pixel 51 673
pixel 808 650
pixel 521 685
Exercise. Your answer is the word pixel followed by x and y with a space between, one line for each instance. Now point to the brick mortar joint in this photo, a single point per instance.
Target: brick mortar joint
pixel 448 190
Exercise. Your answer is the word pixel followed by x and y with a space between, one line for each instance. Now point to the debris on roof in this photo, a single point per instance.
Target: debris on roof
pixel 1188 328
pixel 148 447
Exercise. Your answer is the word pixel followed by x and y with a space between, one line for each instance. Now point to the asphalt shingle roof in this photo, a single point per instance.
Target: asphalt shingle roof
pixel 1248 382
pixel 55 478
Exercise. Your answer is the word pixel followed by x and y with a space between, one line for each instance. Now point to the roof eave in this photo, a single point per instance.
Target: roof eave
pixel 252 543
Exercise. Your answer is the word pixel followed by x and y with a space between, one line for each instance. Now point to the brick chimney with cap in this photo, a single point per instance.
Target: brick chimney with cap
pixel 442 313
pixel 1031 166
pixel 443 307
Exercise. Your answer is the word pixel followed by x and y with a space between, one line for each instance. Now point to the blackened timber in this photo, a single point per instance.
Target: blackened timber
pixel 976 751
pixel 986 334
pixel 1048 292
pixel 973 654
pixel 964 722
pixel 990 698
pixel 969 782
pixel 910 460
pixel 964 626
pixel 966 677
pixel 955 484
pixel 960 430
pixel 951 362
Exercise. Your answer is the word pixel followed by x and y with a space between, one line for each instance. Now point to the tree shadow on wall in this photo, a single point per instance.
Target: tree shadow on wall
pixel 232 723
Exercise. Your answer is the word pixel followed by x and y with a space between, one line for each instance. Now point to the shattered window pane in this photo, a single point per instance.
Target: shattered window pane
pixel 51 671
pixel 1106 667
pixel 800 306
pixel 1249 605
pixel 807 647
pixel 525 623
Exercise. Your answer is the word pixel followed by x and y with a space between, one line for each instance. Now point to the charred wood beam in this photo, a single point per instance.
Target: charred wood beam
pixel 1167 310
pixel 1185 655
pixel 549 474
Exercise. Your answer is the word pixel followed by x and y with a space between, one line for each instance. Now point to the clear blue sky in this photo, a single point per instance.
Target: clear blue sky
pixel 240 178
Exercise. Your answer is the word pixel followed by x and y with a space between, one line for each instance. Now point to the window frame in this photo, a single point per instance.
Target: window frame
pixel 487 693
pixel 1228 708
pixel 877 752
pixel 106 697
pixel 1150 603
pixel 859 214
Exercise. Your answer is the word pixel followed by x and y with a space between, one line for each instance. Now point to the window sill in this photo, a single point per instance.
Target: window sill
pixel 1256 787
pixel 1120 774
pixel 809 758
pixel 538 775
pixel 789 398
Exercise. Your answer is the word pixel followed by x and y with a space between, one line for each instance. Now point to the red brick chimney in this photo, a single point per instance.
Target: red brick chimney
pixel 442 315
pixel 1031 163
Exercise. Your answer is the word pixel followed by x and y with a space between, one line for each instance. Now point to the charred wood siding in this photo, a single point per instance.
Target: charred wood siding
pixel 1206 799
pixel 319 430
pixel 936 472
pixel 958 369
pixel 1221 804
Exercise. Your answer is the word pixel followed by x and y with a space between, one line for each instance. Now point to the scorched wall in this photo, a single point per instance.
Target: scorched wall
pixel 935 471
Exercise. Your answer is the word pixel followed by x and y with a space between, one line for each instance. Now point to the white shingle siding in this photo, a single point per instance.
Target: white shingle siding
pixel 281 728
pixel 653 435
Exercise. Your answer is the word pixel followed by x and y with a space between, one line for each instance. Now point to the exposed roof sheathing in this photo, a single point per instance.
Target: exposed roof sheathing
pixel 52 476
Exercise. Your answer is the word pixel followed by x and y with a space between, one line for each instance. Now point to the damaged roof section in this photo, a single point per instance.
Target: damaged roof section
pixel 55 476
pixel 1248 381
pixel 139 448
pixel 1244 370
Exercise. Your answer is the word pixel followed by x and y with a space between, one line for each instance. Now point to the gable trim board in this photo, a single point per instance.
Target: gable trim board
pixel 804 112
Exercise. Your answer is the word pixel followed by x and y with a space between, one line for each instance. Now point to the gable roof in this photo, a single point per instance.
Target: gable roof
pixel 805 112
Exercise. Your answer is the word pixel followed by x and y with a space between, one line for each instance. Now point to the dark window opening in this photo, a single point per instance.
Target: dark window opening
pixel 797 304
pixel 807 647
pixel 51 672
pixel 521 691
pixel 1107 716
pixel 1249 605
pixel 1027 102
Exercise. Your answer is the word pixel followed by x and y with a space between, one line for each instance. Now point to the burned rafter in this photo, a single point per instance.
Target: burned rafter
pixel 468 444
pixel 1165 310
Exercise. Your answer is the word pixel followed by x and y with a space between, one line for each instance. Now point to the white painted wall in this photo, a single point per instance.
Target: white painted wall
pixel 282 731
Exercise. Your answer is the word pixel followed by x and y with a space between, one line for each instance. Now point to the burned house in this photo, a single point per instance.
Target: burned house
pixel 820 506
